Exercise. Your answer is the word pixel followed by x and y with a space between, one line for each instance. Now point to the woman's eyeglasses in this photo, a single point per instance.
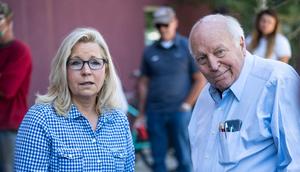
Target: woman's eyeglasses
pixel 94 63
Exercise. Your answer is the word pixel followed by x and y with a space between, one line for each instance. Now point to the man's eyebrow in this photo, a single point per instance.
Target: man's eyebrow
pixel 219 46
pixel 200 54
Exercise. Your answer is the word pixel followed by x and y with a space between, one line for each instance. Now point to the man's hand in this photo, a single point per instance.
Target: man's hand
pixel 139 121
pixel 185 107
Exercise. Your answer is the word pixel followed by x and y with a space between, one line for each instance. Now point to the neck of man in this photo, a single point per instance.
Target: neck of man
pixel 7 33
pixel 168 38
pixel 7 37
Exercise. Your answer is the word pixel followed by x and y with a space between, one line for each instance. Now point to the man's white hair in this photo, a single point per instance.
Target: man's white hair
pixel 233 26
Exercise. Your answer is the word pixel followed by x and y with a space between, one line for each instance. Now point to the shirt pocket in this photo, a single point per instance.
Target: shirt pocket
pixel 229 147
pixel 119 156
pixel 70 159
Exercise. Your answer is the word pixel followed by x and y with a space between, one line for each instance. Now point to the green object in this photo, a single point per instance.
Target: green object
pixel 133 111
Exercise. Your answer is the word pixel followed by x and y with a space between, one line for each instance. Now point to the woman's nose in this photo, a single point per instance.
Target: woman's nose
pixel 86 69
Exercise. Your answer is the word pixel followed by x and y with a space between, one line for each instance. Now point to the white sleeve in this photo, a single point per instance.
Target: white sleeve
pixel 248 41
pixel 282 47
pixel 122 96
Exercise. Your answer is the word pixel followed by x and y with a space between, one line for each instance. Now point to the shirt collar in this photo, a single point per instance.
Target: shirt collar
pixel 106 116
pixel 216 95
pixel 74 112
pixel 237 87
pixel 176 41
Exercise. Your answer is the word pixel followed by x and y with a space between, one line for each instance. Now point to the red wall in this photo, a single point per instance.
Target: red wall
pixel 42 24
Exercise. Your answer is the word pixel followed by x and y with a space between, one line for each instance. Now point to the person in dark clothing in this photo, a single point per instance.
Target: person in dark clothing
pixel 169 84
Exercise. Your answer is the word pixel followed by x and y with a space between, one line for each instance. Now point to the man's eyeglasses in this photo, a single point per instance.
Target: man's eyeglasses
pixel 94 63
pixel 159 25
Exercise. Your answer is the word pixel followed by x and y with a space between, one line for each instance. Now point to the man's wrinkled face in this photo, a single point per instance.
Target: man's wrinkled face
pixel 219 57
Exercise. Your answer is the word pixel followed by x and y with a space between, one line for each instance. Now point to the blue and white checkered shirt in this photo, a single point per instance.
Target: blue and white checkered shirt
pixel 47 141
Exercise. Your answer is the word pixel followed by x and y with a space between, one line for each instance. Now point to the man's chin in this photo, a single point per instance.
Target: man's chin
pixel 222 87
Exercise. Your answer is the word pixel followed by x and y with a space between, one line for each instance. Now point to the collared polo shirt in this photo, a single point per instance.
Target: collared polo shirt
pixel 170 73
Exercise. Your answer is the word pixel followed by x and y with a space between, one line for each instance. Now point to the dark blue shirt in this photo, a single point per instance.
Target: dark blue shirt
pixel 170 74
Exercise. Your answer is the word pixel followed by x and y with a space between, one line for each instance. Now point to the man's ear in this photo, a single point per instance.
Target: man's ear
pixel 243 45
pixel 176 22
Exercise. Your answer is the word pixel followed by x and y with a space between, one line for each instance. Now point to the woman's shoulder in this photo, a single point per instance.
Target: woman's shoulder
pixel 116 114
pixel 282 45
pixel 248 39
pixel 280 37
pixel 40 111
pixel 42 107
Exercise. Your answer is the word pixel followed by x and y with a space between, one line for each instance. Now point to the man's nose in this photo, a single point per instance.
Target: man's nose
pixel 213 63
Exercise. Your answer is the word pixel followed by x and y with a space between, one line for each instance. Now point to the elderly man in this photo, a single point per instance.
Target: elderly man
pixel 168 88
pixel 248 116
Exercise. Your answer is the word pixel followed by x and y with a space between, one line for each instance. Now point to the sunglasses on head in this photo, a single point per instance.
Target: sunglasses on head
pixel 159 25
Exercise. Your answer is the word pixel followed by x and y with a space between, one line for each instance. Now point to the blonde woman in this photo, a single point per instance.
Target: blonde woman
pixel 77 125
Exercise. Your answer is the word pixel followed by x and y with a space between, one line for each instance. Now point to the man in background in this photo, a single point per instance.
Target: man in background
pixel 15 74
pixel 169 84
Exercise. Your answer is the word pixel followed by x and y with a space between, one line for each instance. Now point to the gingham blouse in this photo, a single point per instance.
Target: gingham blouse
pixel 47 141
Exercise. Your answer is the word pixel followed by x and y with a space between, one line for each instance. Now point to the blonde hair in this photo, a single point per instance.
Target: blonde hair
pixel 58 91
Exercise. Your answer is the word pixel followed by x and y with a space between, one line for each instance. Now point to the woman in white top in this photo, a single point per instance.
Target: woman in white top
pixel 266 41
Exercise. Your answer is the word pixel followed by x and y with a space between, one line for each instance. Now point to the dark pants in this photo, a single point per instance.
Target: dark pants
pixel 7 146
pixel 162 126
